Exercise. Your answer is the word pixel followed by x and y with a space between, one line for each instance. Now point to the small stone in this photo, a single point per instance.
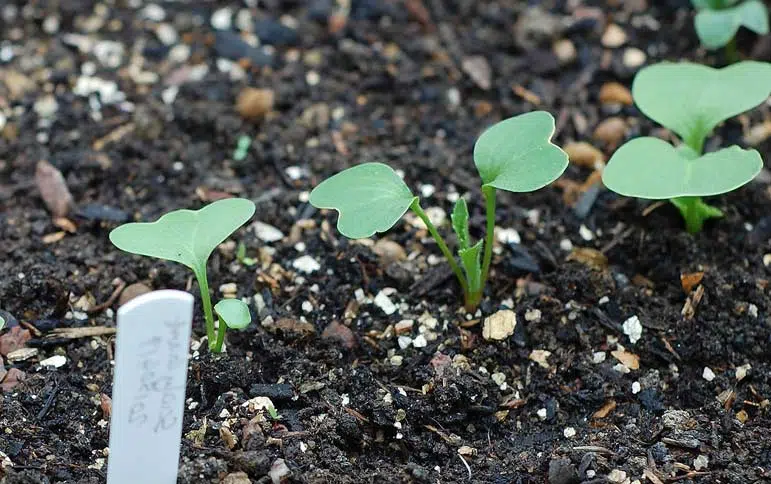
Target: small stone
pixel 584 155
pixel 541 357
pixel 674 419
pixel 12 378
pixel 615 93
pixel 533 315
pixel 340 333
pixel 633 328
pixel 312 78
pixel 701 462
pixel 396 360
pixel 634 57
pixel 636 388
pixel 306 264
pixel 404 326
pixel 708 374
pixel 239 477
pixel 565 51
pixel 628 360
pixel 542 413
pixel 389 251
pixel 384 302
pixel 478 69
pixel 617 476
pixel 404 342
pixel 132 291
pixel 611 131
pixel 598 357
pixel 279 471
pixel 14 339
pixel 56 361
pixel 498 378
pixel 420 341
pixel 507 236
pixel 467 450
pixel 500 325
pixel 53 189
pixel 741 371
pixel 613 37
pixel 585 233
pixel 222 18
pixel 266 233
pixel 253 103
pixel 46 106
pixel 569 432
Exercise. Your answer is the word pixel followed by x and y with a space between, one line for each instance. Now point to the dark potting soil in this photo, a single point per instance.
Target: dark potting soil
pixel 376 372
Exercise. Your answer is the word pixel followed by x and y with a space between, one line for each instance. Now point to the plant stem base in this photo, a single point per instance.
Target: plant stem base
pixel 695 212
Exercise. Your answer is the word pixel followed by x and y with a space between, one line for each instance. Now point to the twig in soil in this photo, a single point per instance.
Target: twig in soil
pixel 649 474
pixel 49 402
pixel 31 328
pixel 593 448
pixel 688 476
pixel 617 240
pixel 110 300
pixel 467 466
pixel 112 136
pixel 653 206
pixel 75 333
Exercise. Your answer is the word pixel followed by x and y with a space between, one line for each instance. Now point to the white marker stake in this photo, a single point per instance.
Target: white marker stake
pixel 148 393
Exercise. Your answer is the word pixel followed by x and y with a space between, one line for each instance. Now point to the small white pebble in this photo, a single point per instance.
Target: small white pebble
pixel 312 78
pixel 585 233
pixel 307 306
pixel 420 341
pixel 741 371
pixel 708 374
pixel 507 236
pixel 621 368
pixel 603 300
pixel 427 190
pixel 396 360
pixel 752 310
pixel 533 315
pixel 384 302
pixel 404 342
pixel 541 413
pixel 306 264
pixel 701 462
pixel 598 357
pixel 633 329
pixel 569 432
pixel 636 388
pixel 222 19
pixel 566 245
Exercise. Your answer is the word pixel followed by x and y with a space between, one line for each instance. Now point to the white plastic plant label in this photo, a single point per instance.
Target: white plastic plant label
pixel 148 393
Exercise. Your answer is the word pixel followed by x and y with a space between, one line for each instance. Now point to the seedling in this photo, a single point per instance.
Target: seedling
pixel 189 237
pixel 514 155
pixel 241 256
pixel 717 21
pixel 2 322
pixel 691 100
pixel 242 147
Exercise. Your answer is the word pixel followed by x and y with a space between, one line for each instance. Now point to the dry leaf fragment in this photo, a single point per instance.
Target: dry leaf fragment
pixel 603 412
pixel 690 280
pixel 629 360
pixel 592 258
pixel 53 189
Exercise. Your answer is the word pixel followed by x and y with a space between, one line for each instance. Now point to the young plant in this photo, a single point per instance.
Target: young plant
pixel 189 237
pixel 690 100
pixel 514 155
pixel 2 322
pixel 717 21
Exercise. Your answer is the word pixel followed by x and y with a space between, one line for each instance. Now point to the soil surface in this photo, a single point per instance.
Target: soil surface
pixel 639 354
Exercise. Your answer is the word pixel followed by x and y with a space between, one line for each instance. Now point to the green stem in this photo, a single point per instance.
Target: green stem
pixel 695 212
pixel 203 285
pixel 221 326
pixel 489 194
pixel 441 243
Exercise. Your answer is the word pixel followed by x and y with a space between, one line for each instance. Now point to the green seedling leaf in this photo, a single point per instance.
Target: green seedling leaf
pixel 471 260
pixel 712 4
pixel 241 256
pixel 517 154
pixel 716 28
pixel 2 322
pixel 185 236
pixel 234 312
pixel 459 219
pixel 653 169
pixel 691 99
pixel 370 198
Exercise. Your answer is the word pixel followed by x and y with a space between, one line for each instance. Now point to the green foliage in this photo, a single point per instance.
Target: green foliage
pixel 515 155
pixel 188 237
pixel 2 322
pixel 234 313
pixel 241 256
pixel 370 198
pixel 690 100
pixel 242 147
pixel 717 21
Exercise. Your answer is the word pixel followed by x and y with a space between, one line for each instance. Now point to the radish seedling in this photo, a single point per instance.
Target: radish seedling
pixel 717 21
pixel 514 155
pixel 691 100
pixel 189 237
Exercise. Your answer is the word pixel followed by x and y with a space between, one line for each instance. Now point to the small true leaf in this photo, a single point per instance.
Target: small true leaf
pixel 470 258
pixel 234 312
pixel 716 27
pixel 185 236
pixel 370 198
pixel 459 219
pixel 652 168
pixel 517 154
pixel 691 99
